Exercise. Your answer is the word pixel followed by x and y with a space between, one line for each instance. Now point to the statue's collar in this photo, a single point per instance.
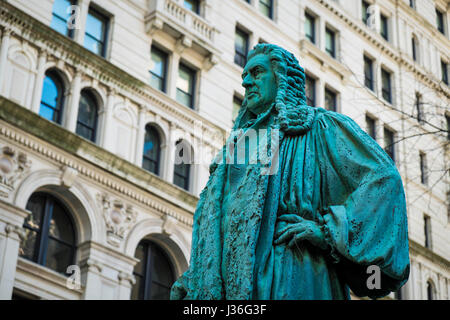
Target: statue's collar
pixel 292 121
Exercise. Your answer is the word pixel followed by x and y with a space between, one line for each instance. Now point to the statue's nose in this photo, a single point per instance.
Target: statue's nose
pixel 247 81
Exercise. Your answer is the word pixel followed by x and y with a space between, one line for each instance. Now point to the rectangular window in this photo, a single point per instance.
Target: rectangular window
pixel 310 30
pixel 371 127
pixel 241 47
pixel 61 17
pixel 368 73
pixel 386 85
pixel 96 32
pixel 365 12
pixel 427 231
pixel 185 86
pixel 419 109
pixel 440 21
pixel 158 69
pixel 330 100
pixel 414 47
pixel 310 89
pixel 389 146
pixel 237 103
pixel 412 4
pixel 444 72
pixel 447 118
pixel 423 169
pixel 384 27
pixel 192 5
pixel 266 8
pixel 330 42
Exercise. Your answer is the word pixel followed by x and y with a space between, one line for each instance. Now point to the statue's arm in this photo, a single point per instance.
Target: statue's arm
pixel 364 204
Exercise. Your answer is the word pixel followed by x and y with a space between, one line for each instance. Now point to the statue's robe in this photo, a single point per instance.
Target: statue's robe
pixel 333 174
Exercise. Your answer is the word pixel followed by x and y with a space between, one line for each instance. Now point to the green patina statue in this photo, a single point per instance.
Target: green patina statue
pixel 331 208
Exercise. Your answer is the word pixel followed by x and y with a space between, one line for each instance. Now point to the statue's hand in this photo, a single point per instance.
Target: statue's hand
pixel 292 228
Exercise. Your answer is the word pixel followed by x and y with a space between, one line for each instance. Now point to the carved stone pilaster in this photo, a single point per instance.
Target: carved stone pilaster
pixel 13 166
pixel 119 218
pixel 10 228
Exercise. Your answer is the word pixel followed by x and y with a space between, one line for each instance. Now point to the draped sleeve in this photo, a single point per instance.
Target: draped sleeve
pixel 363 205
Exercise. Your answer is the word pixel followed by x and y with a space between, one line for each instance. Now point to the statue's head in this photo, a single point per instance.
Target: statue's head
pixel 272 75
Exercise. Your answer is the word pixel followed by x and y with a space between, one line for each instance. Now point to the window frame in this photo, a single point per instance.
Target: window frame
pixel 440 21
pixel 444 72
pixel 165 55
pixel 423 169
pixel 415 48
pixel 157 162
pixel 311 18
pixel 188 177
pixel 241 55
pixel 270 7
pixel 369 82
pixel 193 73
pixel 314 83
pixel 333 51
pixel 428 243
pixel 371 131
pixel 69 32
pixel 237 100
pixel 94 129
pixel 384 27
pixel 197 8
pixel 365 16
pixel 144 291
pixel 106 19
pixel 386 93
pixel 42 238
pixel 389 148
pixel 328 90
pixel 57 80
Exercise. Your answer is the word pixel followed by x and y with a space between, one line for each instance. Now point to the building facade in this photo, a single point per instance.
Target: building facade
pixel 110 112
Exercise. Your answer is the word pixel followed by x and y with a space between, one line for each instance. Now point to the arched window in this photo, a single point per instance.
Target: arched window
pixel 52 100
pixel 49 233
pixel 153 273
pixel 87 116
pixel 183 160
pixel 152 150
pixel 430 291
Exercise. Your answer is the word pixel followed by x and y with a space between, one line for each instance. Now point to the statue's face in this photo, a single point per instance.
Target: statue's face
pixel 260 84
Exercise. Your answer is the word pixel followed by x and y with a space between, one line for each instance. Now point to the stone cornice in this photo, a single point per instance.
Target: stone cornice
pixel 325 60
pixel 170 196
pixel 43 37
pixel 385 47
pixel 416 248
pixel 423 22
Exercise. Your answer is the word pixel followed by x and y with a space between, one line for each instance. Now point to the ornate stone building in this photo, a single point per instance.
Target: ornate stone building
pixel 99 99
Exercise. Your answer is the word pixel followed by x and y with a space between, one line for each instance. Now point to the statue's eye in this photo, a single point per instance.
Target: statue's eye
pixel 257 71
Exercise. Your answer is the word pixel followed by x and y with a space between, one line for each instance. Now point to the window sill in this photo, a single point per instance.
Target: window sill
pixel 43 282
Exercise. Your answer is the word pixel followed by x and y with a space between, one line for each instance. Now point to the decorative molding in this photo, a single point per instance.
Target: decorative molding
pixel 92 265
pixel 123 276
pixel 119 218
pixel 95 175
pixel 13 166
pixel 386 47
pixel 10 228
pixel 74 55
pixel 68 176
